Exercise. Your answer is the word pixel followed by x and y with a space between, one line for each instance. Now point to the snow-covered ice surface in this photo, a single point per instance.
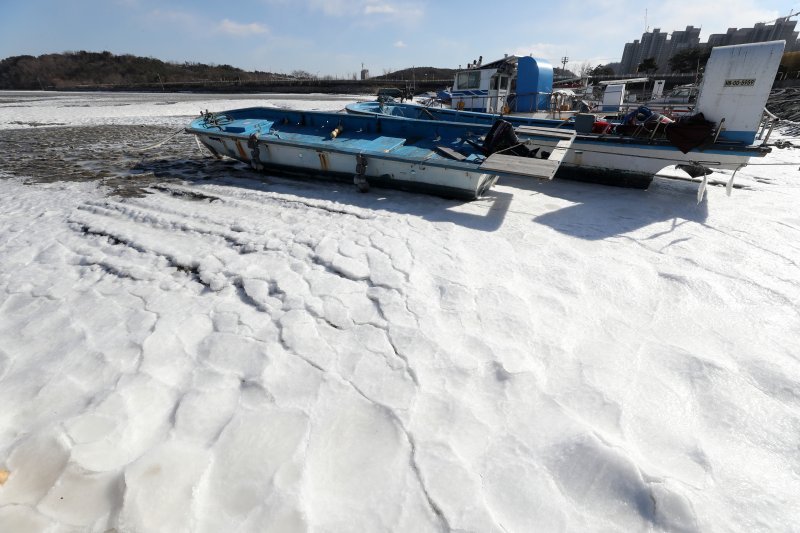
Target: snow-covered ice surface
pixel 47 108
pixel 187 345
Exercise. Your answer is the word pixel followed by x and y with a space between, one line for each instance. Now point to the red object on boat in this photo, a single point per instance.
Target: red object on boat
pixel 601 126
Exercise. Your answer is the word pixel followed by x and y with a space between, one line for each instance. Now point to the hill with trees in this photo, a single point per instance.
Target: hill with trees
pixel 75 69
pixel 71 70
pixel 419 74
pixel 104 70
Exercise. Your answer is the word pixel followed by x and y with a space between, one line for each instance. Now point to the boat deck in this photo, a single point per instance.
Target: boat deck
pixel 357 141
pixel 444 144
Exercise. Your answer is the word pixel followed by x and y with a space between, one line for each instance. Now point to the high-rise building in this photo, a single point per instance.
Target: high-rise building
pixel 659 46
pixel 782 28
pixel 662 46
pixel 651 45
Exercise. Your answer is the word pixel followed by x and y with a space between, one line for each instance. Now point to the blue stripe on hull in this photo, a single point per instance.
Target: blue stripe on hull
pixel 476 92
pixel 745 137
pixel 663 145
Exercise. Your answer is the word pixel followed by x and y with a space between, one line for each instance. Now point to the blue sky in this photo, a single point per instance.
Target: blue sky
pixel 336 36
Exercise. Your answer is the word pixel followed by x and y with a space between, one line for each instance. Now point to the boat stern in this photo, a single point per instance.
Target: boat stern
pixel 736 86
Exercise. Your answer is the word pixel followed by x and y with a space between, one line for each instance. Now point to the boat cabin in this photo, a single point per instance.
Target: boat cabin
pixel 521 84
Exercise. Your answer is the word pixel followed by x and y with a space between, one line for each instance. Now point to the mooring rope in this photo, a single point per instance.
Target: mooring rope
pixel 156 145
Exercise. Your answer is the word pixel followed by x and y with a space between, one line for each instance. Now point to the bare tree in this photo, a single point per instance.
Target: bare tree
pixel 302 74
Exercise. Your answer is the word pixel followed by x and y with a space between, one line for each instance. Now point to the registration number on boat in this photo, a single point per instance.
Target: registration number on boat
pixel 740 83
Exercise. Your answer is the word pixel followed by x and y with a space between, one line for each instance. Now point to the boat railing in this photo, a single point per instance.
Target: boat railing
pixel 555 103
pixel 720 127
pixel 668 110
pixel 768 123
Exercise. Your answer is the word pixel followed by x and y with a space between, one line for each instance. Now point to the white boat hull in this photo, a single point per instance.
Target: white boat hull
pixel 380 170
pixel 635 164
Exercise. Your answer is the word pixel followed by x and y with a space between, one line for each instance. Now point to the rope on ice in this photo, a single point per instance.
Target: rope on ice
pixel 156 145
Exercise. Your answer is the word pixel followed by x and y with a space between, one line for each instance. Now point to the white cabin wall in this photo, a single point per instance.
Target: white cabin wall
pixel 658 89
pixel 613 96
pixel 474 99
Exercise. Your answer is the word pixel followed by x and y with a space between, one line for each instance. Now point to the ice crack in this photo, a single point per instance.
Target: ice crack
pixel 444 524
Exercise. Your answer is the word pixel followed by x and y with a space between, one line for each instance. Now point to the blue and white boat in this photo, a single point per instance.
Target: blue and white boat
pixel 448 114
pixel 516 84
pixel 732 97
pixel 445 158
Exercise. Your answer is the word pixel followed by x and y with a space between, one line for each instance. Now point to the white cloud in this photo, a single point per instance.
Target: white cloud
pixel 371 10
pixel 240 30
pixel 553 54
pixel 549 51
pixel 384 9
pixel 400 44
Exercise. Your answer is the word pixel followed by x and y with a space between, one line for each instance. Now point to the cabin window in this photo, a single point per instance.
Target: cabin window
pixel 469 80
pixel 494 84
pixel 504 82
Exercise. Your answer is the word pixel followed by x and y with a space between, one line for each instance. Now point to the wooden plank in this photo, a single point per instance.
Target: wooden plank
pixel 521 166
pixel 545 132
pixel 449 152
pixel 558 153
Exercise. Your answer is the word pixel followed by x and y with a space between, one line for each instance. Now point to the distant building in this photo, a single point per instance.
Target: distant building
pixel 658 45
pixel 783 28
pixel 662 46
